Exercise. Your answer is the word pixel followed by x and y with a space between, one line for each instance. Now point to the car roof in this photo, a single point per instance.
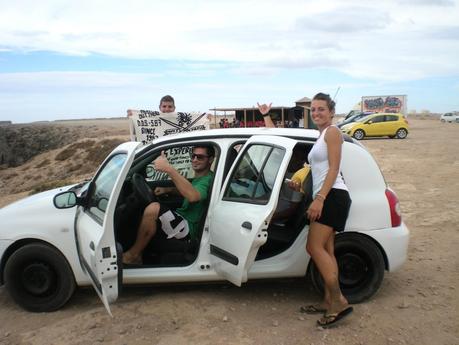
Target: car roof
pixel 374 114
pixel 299 133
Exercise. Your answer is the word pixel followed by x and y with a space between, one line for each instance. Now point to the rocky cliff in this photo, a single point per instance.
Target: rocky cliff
pixel 19 143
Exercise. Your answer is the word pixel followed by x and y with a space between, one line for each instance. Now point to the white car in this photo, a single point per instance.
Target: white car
pixel 450 117
pixel 54 241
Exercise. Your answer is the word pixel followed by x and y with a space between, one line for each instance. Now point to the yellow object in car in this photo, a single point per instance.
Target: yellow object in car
pixel 300 176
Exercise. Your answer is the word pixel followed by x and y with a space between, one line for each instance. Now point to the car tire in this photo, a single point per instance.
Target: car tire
pixel 39 278
pixel 401 133
pixel 359 134
pixel 361 267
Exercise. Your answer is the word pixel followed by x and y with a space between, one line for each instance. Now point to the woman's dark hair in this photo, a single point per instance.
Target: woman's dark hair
pixel 325 97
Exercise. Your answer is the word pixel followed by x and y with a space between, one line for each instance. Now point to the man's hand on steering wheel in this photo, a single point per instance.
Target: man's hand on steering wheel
pixel 160 191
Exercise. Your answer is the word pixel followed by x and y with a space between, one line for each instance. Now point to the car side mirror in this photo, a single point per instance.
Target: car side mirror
pixel 65 200
pixel 369 122
pixel 102 204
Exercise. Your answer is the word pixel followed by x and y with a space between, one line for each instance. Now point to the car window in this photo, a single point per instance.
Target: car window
pixel 377 119
pixel 391 118
pixel 363 119
pixel 178 157
pixel 103 185
pixel 254 177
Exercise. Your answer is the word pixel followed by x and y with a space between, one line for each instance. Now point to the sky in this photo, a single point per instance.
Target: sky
pixel 96 58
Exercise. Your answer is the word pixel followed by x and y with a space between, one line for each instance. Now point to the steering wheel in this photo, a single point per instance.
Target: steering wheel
pixel 141 189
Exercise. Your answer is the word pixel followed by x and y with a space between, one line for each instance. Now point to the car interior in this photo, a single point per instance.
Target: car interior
pixel 288 220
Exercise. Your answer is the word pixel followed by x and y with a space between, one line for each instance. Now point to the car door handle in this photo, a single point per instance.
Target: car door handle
pixel 91 245
pixel 247 225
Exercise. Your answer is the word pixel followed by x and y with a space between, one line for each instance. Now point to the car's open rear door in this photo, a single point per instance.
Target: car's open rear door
pixel 94 230
pixel 241 215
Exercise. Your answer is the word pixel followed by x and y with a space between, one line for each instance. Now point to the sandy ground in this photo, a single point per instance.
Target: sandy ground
pixel 418 304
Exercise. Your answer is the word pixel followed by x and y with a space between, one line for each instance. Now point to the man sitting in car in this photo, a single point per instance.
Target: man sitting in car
pixel 182 222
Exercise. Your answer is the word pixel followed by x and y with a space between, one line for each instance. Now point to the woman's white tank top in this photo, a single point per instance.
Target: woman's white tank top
pixel 318 159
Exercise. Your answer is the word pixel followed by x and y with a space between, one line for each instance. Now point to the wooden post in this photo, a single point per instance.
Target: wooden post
pixel 282 117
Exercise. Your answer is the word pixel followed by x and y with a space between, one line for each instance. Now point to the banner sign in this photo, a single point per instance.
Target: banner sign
pixel 384 104
pixel 147 125
pixel 179 158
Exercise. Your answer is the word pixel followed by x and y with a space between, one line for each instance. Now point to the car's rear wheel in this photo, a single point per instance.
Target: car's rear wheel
pixel 361 267
pixel 359 134
pixel 39 278
pixel 401 133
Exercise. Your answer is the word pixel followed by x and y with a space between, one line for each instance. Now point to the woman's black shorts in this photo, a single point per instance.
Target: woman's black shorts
pixel 336 209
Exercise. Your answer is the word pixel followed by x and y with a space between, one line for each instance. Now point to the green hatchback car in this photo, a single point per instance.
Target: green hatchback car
pixel 378 125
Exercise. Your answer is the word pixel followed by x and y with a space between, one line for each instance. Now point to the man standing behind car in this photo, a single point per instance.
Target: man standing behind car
pixel 166 105
pixel 183 222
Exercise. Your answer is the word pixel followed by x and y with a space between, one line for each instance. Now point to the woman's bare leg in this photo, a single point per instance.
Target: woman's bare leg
pixel 320 244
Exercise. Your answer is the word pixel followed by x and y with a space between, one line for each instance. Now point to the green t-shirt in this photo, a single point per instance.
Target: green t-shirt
pixel 192 212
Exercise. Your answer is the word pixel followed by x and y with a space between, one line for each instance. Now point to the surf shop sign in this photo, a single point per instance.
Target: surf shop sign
pixel 147 125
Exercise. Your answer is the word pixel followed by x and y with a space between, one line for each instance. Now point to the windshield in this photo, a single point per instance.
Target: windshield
pixel 363 119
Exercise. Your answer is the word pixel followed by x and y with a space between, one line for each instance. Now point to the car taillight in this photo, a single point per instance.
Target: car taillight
pixel 394 205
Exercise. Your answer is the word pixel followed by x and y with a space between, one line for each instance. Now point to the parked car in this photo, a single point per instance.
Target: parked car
pixel 353 118
pixel 356 112
pixel 54 241
pixel 450 117
pixel 378 125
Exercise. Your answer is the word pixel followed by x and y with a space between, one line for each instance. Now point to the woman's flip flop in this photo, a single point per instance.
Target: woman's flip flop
pixel 332 319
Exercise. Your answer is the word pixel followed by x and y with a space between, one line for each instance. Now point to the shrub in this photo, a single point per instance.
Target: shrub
pixel 65 154
pixel 71 150
pixel 42 163
pixel 97 153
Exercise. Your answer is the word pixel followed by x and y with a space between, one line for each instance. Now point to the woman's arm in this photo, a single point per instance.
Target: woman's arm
pixel 264 110
pixel 334 140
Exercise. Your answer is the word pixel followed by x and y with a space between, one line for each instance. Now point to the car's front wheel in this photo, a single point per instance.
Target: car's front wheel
pixel 361 267
pixel 401 133
pixel 39 278
pixel 359 134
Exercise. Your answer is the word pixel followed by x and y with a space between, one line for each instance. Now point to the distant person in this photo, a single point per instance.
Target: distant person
pixel 166 105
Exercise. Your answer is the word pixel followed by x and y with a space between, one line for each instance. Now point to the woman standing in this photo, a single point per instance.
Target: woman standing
pixel 329 209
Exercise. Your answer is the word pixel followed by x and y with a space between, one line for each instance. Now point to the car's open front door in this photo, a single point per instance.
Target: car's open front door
pixel 249 196
pixel 94 230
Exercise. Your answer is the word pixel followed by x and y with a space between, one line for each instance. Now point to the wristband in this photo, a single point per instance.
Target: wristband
pixel 320 196
pixel 265 115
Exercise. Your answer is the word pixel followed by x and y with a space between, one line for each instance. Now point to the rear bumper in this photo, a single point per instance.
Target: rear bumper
pixel 394 242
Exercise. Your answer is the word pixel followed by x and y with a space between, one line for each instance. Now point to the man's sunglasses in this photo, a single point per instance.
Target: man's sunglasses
pixel 198 156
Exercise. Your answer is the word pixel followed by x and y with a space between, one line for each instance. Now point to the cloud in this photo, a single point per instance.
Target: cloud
pixel 390 39
pixel 345 20
pixel 445 3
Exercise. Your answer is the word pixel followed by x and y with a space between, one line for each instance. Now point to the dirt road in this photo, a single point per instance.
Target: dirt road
pixel 419 304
